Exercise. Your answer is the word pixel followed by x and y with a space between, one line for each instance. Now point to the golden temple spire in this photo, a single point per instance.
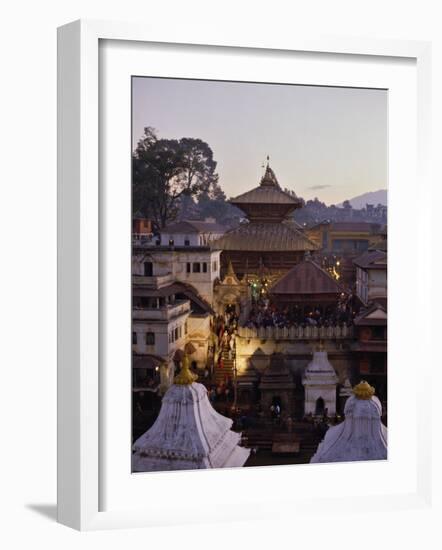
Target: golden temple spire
pixel 230 270
pixel 269 177
pixel 185 377
pixel 363 390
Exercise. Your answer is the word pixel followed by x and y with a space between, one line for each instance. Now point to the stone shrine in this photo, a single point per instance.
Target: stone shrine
pixel 320 383
pixel 188 433
pixel 361 436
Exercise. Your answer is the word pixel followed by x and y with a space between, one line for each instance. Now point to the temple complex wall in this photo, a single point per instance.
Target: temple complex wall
pixel 297 355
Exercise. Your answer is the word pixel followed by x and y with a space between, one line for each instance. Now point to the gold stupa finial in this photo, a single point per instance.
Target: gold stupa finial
pixel 363 390
pixel 320 346
pixel 185 377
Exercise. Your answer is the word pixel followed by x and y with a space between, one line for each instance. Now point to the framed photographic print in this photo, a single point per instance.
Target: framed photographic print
pixel 227 215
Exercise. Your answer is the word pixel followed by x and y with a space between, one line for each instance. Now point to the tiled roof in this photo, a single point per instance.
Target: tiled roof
pixel 376 314
pixel 376 259
pixel 272 237
pixel 265 195
pixel 307 277
pixel 178 287
pixel 267 192
pixel 194 226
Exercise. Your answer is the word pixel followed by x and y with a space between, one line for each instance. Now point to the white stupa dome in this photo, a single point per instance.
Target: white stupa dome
pixel 188 433
pixel 361 436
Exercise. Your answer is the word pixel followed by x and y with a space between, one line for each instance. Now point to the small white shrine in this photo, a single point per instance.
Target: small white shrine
pixel 320 381
pixel 361 436
pixel 188 433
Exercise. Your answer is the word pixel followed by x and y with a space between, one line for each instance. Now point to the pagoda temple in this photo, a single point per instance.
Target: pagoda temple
pixel 188 433
pixel 270 241
pixel 307 286
pixel 361 436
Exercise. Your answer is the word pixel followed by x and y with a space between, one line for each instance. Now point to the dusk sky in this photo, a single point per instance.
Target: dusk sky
pixel 329 143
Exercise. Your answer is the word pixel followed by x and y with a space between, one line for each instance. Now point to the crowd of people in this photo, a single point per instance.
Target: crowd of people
pixel 264 314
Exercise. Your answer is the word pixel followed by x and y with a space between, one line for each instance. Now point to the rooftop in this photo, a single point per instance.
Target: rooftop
pixel 272 237
pixel 376 259
pixel 267 194
pixel 307 277
pixel 178 287
pixel 351 227
pixel 376 314
pixel 194 226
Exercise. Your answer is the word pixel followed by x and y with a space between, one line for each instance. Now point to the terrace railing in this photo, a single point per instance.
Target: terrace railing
pixel 297 333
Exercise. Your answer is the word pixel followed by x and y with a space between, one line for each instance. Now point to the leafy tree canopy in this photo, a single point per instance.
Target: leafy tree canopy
pixel 166 172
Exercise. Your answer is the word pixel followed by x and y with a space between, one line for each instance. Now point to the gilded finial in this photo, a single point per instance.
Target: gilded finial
pixel 320 346
pixel 185 377
pixel 363 390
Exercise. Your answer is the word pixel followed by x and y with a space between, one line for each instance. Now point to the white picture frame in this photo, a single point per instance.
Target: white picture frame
pixel 80 296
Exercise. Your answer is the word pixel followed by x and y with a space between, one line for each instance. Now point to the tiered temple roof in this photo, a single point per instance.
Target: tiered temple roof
pixel 269 228
pixel 274 237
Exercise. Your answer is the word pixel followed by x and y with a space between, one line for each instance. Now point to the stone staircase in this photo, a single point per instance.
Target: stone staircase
pixel 227 371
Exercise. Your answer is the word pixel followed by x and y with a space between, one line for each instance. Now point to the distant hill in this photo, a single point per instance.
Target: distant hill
pixel 372 197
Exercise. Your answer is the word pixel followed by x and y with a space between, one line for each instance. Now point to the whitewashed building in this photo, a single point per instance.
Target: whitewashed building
pixel 195 265
pixel 371 276
pixel 160 314
pixel 191 232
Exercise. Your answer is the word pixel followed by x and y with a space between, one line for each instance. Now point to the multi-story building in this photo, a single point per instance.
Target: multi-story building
pixel 191 232
pixel 370 348
pixel 172 295
pixel 159 324
pixel 195 265
pixel 343 237
pixel 371 276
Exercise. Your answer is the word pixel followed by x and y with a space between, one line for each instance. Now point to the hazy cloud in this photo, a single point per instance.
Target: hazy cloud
pixel 317 187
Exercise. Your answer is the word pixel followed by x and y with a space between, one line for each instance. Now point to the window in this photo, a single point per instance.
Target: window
pixel 134 338
pixel 150 338
pixel 176 334
pixel 186 241
pixel 148 269
pixel 188 267
pixel 205 267
pixel 185 327
pixel 214 267
pixel 196 267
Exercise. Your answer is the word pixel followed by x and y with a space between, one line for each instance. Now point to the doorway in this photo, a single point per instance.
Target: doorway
pixel 320 406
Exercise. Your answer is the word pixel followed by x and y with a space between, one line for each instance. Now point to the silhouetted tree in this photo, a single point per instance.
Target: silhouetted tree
pixel 167 170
